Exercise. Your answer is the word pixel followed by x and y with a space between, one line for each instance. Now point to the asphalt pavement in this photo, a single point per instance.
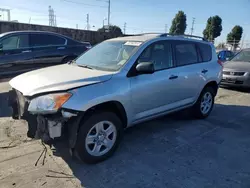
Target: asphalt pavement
pixel 173 151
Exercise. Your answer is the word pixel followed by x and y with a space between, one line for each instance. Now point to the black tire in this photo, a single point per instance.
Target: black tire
pixel 197 106
pixel 80 149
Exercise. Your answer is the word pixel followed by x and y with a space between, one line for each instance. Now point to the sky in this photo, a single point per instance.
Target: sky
pixel 140 16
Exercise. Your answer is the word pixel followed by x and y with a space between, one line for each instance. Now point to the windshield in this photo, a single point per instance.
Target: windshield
pixel 108 55
pixel 242 56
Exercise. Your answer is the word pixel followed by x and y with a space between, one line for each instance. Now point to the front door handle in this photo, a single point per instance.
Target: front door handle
pixel 204 71
pixel 25 51
pixel 173 77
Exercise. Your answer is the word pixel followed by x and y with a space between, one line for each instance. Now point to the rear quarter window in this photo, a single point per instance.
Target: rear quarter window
pixel 46 40
pixel 206 52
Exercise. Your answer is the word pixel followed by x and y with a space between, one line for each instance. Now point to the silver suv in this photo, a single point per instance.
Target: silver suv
pixel 116 84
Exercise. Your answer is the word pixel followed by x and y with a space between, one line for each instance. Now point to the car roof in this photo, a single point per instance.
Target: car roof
pixel 139 38
pixel 31 31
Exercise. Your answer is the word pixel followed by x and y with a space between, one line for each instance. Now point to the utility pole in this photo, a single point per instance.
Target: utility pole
pixel 87 21
pixel 124 28
pixel 192 28
pixel 166 28
pixel 108 13
pixel 52 17
pixel 55 21
pixel 8 13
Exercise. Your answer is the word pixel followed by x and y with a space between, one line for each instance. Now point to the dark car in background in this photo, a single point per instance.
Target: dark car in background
pixel 22 51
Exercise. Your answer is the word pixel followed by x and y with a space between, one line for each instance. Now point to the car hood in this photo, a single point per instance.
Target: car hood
pixel 237 66
pixel 57 78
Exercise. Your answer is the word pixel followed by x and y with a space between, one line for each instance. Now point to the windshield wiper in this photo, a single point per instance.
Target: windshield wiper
pixel 85 66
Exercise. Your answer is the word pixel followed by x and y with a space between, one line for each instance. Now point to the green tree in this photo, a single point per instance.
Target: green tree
pixel 234 37
pixel 115 30
pixel 213 28
pixel 179 24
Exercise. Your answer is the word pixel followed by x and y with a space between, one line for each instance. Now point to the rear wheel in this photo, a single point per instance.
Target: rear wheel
pixel 99 137
pixel 205 103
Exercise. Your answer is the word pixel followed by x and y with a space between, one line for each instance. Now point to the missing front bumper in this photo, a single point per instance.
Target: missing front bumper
pixel 46 127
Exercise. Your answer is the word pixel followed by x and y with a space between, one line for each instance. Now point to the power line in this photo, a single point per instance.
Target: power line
pixel 80 3
pixel 192 28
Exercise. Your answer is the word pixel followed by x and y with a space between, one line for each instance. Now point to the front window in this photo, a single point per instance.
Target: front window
pixel 108 55
pixel 15 42
pixel 242 56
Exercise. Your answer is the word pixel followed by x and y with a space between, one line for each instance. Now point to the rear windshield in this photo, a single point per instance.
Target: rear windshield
pixel 206 52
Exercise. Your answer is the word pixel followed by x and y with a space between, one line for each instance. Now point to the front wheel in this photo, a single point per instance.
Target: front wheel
pixel 205 103
pixel 99 137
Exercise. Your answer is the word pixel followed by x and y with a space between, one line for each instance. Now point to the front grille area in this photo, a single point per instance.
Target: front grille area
pixel 233 73
pixel 232 81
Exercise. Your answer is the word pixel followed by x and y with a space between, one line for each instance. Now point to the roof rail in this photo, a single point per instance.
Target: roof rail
pixel 140 34
pixel 189 36
pixel 169 34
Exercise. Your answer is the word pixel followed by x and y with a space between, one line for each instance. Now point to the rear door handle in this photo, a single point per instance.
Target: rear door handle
pixel 61 48
pixel 173 77
pixel 204 71
pixel 25 51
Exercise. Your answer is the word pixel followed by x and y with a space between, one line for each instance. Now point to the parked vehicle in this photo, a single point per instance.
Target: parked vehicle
pixel 236 72
pixel 131 80
pixel 225 55
pixel 22 51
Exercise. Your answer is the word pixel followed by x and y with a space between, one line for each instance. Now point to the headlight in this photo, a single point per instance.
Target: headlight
pixel 48 104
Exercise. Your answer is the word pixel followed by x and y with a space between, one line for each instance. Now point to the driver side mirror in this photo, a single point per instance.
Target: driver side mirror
pixel 145 68
pixel 228 58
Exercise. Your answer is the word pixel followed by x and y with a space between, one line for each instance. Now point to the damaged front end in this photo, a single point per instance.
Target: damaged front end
pixel 45 117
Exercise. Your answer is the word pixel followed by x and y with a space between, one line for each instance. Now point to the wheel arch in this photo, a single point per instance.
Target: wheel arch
pixel 214 85
pixel 112 106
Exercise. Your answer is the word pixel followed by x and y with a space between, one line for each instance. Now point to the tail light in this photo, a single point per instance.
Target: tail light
pixel 220 62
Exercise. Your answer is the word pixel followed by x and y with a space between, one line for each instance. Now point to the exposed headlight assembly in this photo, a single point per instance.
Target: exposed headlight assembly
pixel 48 104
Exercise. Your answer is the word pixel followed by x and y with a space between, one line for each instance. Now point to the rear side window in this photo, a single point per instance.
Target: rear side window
pixel 185 54
pixel 46 40
pixel 206 52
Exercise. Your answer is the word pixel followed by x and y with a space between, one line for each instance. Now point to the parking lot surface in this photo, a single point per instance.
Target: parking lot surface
pixel 173 151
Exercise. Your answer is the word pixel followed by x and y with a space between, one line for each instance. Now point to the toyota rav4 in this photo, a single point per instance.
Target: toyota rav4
pixel 116 84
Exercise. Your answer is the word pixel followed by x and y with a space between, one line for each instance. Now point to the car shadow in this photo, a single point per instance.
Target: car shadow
pixel 244 90
pixel 145 150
